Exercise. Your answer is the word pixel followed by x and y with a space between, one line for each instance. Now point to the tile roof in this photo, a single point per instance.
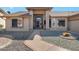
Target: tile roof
pixel 2 11
pixel 52 14
pixel 56 14
pixel 19 13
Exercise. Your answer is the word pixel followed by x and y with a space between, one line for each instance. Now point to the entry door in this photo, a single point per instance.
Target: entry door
pixel 38 22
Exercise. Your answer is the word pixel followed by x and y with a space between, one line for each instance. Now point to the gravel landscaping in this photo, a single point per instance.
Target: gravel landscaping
pixel 18 38
pixel 50 36
pixel 65 43
pixel 53 38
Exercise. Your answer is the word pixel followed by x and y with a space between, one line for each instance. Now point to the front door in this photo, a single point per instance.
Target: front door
pixel 38 22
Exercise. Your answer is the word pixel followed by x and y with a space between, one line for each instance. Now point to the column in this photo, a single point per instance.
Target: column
pixel 66 24
pixel 53 24
pixel 47 19
pixel 31 20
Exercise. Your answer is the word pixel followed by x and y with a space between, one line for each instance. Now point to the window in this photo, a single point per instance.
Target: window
pixel 14 22
pixel 38 19
pixel 44 22
pixel 50 23
pixel 61 23
pixel 17 23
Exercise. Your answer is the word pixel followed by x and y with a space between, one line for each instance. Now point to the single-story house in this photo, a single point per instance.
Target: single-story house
pixel 42 18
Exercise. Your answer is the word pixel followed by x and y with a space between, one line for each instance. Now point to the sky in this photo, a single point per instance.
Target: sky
pixel 57 9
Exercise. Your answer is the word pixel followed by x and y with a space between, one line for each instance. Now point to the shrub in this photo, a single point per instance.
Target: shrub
pixel 1 25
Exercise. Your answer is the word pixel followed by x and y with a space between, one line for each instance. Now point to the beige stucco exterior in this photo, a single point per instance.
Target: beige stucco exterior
pixel 25 26
pixel 28 22
pixel 38 11
pixel 71 20
pixel 74 26
pixel 74 23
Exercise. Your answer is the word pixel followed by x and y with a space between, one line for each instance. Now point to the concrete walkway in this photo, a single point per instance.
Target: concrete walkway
pixel 37 44
pixel 33 34
pixel 4 42
pixel 17 45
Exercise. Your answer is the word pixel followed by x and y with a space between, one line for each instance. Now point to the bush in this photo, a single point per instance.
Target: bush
pixel 66 34
pixel 1 25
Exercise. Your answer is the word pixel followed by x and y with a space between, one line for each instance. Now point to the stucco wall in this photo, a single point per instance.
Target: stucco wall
pixel 74 26
pixel 74 23
pixel 39 12
pixel 45 17
pixel 24 28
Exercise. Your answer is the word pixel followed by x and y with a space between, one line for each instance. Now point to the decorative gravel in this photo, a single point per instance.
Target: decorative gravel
pixel 65 43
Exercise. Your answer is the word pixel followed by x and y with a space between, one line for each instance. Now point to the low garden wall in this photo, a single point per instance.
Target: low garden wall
pixel 16 34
